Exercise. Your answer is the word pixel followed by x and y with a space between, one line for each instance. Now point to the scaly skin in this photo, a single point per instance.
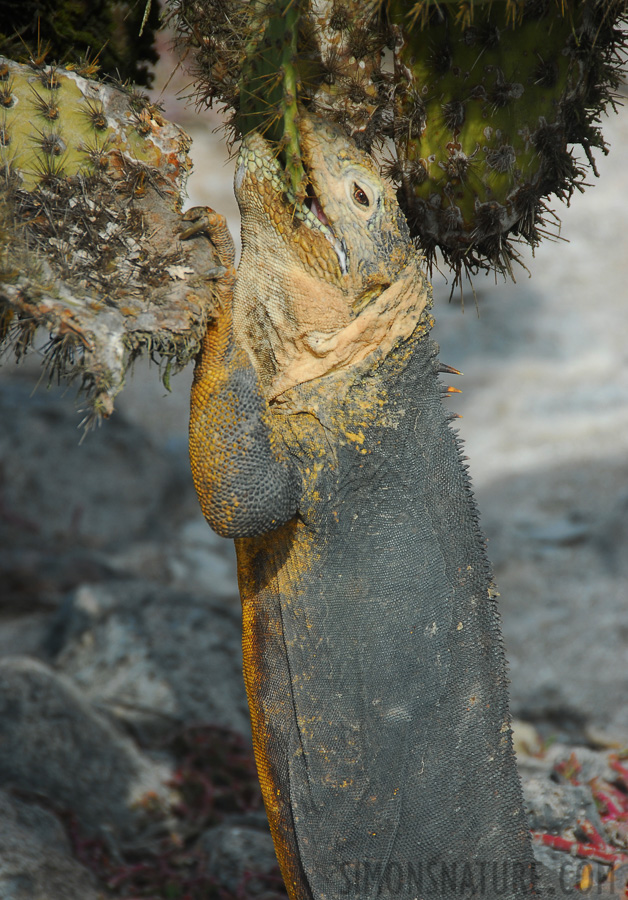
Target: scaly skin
pixel 372 649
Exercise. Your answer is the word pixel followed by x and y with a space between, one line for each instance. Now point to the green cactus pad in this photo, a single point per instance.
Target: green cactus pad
pixel 54 123
pixel 269 83
pixel 484 116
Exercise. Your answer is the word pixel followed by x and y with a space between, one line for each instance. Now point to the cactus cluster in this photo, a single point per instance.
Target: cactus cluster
pixel 480 103
pixel 91 184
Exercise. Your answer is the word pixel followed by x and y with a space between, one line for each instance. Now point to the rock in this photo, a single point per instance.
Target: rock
pixel 560 802
pixel 117 504
pixel 153 657
pixel 24 635
pixel 193 558
pixel 592 763
pixel 555 808
pixel 236 854
pixel 110 488
pixel 559 873
pixel 53 744
pixel 35 578
pixel 202 560
pixel 525 739
pixel 35 856
pixel 557 547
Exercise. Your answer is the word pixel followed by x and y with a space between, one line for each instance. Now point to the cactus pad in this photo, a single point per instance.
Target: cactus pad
pixel 92 179
pixel 484 116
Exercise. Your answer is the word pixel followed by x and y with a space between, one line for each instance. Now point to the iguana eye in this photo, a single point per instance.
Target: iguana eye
pixel 359 195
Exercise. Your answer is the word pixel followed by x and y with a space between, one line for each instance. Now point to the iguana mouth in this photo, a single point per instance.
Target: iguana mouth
pixel 313 204
pixel 257 156
pixel 311 212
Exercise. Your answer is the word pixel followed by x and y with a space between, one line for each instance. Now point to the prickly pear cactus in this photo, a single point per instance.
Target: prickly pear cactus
pixel 91 182
pixel 486 110
pixel 54 124
pixel 260 59
pixel 269 79
pixel 482 101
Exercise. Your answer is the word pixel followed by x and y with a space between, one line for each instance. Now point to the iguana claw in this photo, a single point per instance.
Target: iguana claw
pixel 216 272
pixel 205 221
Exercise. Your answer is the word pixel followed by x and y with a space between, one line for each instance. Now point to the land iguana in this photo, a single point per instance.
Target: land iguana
pixel 319 440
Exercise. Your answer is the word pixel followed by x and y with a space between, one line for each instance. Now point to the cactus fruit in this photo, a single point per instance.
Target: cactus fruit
pixel 481 101
pixel 91 183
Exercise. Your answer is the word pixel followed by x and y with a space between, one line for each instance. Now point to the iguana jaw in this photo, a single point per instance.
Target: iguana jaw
pixel 257 162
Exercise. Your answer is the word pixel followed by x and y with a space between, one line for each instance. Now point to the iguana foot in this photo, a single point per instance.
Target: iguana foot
pixel 213 226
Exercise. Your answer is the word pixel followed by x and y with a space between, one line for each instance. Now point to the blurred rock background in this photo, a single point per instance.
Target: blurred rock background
pixel 119 620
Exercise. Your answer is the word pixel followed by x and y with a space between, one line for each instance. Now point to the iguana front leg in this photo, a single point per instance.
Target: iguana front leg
pixel 246 486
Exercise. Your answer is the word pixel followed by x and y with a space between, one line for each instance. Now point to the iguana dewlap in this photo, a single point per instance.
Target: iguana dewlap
pixel 372 649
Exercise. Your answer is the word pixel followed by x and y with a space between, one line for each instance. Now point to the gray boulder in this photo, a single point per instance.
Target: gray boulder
pixel 557 540
pixel 35 856
pixel 61 489
pixel 153 657
pixel 53 744
pixel 555 808
pixel 237 855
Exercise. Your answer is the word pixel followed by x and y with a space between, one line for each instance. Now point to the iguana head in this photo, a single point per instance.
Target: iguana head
pixel 312 269
pixel 349 224
pixel 347 193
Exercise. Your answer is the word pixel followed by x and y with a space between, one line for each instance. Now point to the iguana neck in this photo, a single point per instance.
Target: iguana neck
pixel 305 330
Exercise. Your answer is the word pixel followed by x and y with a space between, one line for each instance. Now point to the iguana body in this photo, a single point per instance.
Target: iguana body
pixel 372 649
